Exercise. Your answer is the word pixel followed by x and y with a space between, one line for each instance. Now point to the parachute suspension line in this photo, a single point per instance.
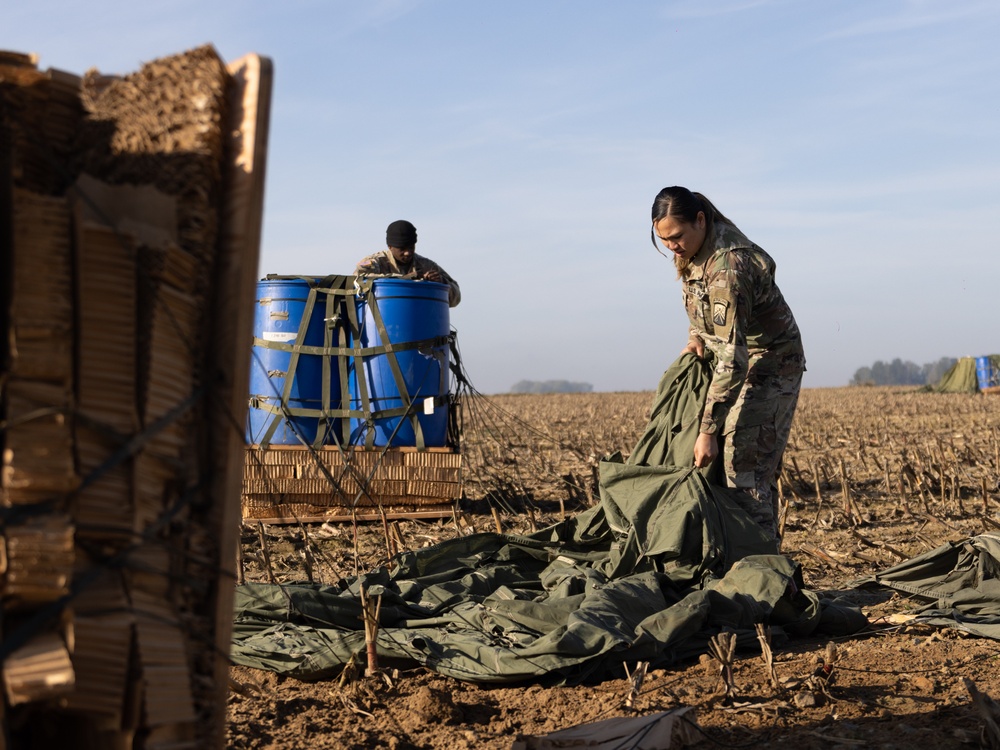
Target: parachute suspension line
pixel 497 454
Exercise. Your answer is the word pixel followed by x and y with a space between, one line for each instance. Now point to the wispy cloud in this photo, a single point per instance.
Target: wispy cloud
pixel 343 20
pixel 917 14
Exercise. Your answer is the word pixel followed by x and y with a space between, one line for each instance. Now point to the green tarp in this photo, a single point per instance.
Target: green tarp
pixel 961 377
pixel 665 561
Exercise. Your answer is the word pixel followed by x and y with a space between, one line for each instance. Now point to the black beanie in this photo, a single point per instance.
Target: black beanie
pixel 401 234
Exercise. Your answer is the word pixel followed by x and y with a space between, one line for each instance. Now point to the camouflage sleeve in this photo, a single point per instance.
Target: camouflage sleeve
pixel 729 300
pixel 368 266
pixel 454 292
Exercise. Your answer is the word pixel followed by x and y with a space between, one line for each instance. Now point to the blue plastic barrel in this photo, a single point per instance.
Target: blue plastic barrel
pixel 985 373
pixel 411 311
pixel 278 314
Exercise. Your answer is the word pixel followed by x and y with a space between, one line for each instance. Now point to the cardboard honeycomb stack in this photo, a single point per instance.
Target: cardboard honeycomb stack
pixel 132 207
pixel 287 484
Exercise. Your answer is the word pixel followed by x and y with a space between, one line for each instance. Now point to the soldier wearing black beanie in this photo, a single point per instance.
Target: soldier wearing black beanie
pixel 400 259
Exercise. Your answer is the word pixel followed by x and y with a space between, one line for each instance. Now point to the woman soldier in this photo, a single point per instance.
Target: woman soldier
pixel 738 313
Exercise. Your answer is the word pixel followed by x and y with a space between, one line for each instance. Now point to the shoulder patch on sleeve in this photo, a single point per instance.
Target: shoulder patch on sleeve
pixel 723 309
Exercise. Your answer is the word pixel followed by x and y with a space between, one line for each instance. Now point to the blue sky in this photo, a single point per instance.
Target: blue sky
pixel 857 141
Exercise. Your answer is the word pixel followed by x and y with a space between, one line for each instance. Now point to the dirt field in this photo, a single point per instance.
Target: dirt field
pixel 872 476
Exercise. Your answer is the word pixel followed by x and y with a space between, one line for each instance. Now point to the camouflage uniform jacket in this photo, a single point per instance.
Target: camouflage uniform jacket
pixel 737 310
pixel 383 263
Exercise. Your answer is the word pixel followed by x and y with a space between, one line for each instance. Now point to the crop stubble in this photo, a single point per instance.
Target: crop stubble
pixel 871 475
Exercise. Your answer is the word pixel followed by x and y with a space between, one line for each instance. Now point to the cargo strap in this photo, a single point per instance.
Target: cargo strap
pixel 364 288
pixel 293 362
pixel 349 351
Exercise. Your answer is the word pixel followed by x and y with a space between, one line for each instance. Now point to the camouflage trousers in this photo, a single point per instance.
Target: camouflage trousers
pixel 754 439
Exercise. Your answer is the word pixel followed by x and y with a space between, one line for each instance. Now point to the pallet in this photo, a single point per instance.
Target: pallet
pixel 288 514
pixel 297 484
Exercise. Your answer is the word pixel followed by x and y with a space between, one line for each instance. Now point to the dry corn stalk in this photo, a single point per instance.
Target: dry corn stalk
pixel 722 647
pixel 370 611
pixel 989 712
pixel 764 638
pixel 635 678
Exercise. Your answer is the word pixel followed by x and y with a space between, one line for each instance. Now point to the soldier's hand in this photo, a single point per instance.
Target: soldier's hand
pixel 432 276
pixel 706 448
pixel 695 347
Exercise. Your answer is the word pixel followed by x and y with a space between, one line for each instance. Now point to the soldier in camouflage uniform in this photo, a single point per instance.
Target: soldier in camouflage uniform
pixel 400 259
pixel 736 312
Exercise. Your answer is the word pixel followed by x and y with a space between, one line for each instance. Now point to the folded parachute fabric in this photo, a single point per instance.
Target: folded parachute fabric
pixel 958 583
pixel 664 562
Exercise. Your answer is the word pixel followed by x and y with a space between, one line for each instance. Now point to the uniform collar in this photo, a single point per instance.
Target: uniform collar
pixel 696 269
pixel 395 264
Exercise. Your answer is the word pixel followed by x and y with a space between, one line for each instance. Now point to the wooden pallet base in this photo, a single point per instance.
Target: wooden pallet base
pixel 283 514
pixel 293 484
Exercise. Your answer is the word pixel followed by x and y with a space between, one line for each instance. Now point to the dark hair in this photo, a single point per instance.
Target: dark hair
pixel 682 204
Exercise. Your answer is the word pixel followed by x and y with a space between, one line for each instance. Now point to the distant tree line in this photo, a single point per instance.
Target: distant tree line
pixel 899 372
pixel 551 386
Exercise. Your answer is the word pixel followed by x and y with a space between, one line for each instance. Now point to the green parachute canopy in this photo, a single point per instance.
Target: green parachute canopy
pixel 963 378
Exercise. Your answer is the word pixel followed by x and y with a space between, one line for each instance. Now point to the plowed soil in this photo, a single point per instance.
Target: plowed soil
pixel 872 476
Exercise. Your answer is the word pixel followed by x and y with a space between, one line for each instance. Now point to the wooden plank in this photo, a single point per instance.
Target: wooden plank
pixel 417 515
pixel 404 449
pixel 250 113
pixel 260 505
